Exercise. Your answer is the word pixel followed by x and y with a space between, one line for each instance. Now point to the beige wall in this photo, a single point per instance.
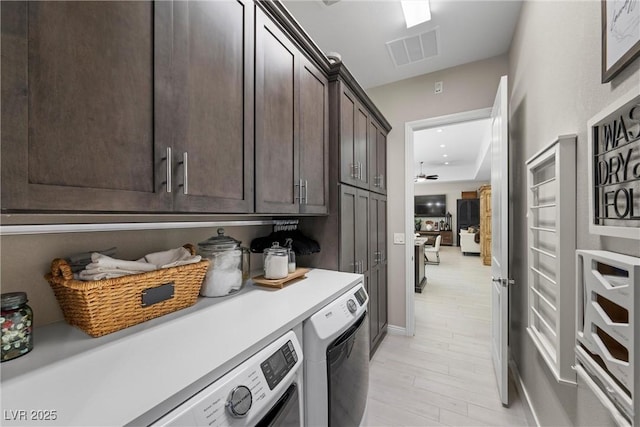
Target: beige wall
pixel 555 89
pixel 466 88
pixel 26 259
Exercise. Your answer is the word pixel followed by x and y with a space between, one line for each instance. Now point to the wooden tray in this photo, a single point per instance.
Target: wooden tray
pixel 280 283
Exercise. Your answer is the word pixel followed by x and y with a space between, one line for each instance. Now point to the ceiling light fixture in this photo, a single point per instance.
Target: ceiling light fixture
pixel 446 163
pixel 439 130
pixel 415 12
pixel 442 145
pixel 445 155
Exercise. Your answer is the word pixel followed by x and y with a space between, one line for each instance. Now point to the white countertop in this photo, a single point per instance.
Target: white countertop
pixel 114 379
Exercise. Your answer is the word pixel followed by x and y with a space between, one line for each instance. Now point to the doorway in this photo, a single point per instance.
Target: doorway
pixel 410 129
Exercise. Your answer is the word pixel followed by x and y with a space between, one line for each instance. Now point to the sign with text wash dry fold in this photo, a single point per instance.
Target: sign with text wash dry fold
pixel 616 163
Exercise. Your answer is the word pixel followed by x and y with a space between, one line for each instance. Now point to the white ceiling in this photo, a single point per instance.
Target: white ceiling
pixel 467 31
pixel 466 147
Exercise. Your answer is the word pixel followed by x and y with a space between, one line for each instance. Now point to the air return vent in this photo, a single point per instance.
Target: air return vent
pixel 330 2
pixel 413 49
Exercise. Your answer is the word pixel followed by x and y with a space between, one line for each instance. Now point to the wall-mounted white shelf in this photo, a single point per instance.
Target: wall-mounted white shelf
pixel 607 353
pixel 551 222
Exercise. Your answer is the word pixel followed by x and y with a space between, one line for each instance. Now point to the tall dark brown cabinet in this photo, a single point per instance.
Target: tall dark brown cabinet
pixel 468 211
pixel 357 220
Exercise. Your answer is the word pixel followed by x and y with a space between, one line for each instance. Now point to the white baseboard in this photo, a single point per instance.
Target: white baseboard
pixel 530 412
pixel 396 330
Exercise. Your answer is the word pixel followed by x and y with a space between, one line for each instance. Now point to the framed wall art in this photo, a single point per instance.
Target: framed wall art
pixel 620 35
pixel 614 168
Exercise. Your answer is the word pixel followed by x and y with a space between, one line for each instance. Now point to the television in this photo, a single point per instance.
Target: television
pixel 430 206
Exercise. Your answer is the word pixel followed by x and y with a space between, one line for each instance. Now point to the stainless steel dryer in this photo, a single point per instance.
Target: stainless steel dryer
pixel 336 368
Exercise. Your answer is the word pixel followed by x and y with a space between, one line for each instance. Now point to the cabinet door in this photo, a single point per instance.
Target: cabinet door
pixel 381 162
pixel 85 98
pixel 276 120
pixel 362 230
pixel 382 229
pixel 382 297
pixel 377 158
pixel 348 111
pixel 374 309
pixel 213 92
pixel 348 220
pixel 378 236
pixel 468 213
pixel 373 154
pixel 314 138
pixel 362 144
pixel 374 211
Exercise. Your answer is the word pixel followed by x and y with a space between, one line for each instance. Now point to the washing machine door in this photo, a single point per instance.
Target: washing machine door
pixel 285 412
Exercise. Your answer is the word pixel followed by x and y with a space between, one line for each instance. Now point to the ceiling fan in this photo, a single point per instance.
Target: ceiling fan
pixel 421 177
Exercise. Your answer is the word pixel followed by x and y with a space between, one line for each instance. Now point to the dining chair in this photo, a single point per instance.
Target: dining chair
pixel 435 249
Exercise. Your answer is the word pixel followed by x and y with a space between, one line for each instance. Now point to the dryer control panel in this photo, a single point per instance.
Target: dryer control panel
pixel 337 316
pixel 245 394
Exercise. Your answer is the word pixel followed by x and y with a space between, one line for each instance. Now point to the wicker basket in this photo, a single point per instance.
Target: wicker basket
pixel 104 306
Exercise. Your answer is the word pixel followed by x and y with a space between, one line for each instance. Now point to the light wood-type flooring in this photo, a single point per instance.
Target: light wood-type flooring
pixel 443 376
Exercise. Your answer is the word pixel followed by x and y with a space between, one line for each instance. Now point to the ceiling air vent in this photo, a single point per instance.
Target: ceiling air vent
pixel 413 49
pixel 330 2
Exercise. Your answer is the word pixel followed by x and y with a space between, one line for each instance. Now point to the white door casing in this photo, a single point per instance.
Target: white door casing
pixel 500 239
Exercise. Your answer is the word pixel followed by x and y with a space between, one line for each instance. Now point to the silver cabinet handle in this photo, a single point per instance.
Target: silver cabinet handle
pixel 167 181
pixel 185 173
pixel 380 180
pixel 299 187
pixel 360 171
pixel 306 192
pixel 355 167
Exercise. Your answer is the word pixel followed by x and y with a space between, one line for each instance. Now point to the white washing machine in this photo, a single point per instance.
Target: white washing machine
pixel 262 391
pixel 336 368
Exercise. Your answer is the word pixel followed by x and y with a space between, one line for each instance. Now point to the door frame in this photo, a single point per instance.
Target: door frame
pixel 409 227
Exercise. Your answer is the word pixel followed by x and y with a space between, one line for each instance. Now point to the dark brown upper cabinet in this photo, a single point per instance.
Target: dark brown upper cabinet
pixel 213 104
pixel 291 122
pixel 378 157
pixel 128 106
pixel 86 111
pixel 354 144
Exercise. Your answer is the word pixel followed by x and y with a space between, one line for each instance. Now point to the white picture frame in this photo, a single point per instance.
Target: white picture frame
pixel 620 109
pixel 620 35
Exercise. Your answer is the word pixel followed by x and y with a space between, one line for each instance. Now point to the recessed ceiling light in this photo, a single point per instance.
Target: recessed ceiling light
pixel 445 155
pixel 442 145
pixel 446 163
pixel 415 12
pixel 439 130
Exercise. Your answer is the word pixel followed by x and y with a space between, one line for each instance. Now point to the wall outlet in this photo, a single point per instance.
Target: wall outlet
pixel 438 87
pixel 398 238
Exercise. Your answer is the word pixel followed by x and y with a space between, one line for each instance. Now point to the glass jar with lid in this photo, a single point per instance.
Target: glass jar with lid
pixel 17 323
pixel 229 267
pixel 276 262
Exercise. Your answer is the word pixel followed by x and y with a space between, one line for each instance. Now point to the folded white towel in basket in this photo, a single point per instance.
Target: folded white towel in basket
pixel 106 267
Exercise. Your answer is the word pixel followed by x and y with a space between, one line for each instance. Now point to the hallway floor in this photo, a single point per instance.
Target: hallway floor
pixel 444 374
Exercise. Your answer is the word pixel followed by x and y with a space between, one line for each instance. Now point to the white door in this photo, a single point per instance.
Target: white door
pixel 500 240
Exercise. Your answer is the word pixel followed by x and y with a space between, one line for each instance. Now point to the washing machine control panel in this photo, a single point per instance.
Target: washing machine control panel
pixel 245 394
pixel 278 365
